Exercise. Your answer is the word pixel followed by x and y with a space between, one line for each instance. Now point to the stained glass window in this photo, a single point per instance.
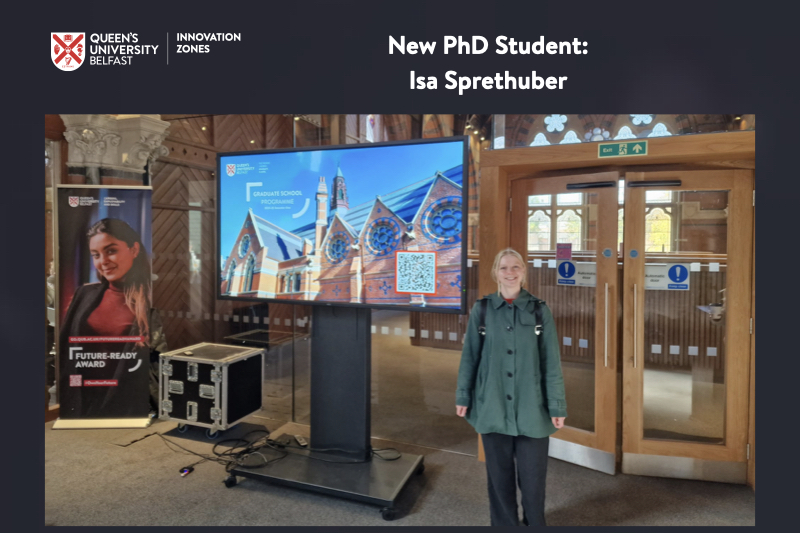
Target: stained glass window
pixel 384 236
pixel 539 231
pixel 231 270
pixel 570 228
pixel 244 246
pixel 539 199
pixel 570 198
pixel 442 220
pixel 248 275
pixel 658 197
pixel 658 230
pixel 337 249
pixel 546 227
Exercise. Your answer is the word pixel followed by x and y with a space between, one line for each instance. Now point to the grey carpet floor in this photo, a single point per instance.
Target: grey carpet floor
pixel 90 480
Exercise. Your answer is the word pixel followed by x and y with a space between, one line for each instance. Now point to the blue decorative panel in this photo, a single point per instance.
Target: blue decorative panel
pixel 442 220
pixel 338 247
pixel 383 236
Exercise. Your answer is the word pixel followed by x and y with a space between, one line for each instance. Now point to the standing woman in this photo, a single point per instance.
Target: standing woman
pixel 512 392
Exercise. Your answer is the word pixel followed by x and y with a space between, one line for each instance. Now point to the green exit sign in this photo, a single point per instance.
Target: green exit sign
pixel 624 149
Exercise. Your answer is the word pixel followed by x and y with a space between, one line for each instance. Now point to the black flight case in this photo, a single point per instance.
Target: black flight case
pixel 210 385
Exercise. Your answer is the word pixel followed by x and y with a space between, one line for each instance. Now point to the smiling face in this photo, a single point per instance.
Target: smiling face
pixel 112 257
pixel 510 274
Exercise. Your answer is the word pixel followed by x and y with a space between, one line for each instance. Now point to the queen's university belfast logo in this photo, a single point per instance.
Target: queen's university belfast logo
pixel 67 49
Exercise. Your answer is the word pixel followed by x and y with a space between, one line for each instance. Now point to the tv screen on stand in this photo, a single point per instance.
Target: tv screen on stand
pixel 378 225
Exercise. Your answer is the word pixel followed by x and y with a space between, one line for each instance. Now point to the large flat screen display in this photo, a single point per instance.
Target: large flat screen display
pixel 378 225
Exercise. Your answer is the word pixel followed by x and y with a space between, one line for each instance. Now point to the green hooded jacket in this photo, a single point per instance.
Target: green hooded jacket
pixel 513 387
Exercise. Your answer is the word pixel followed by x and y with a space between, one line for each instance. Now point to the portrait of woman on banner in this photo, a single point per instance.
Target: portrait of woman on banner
pixel 109 316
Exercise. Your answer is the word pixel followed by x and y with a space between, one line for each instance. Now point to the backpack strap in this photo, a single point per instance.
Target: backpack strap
pixel 482 317
pixel 537 312
pixel 482 323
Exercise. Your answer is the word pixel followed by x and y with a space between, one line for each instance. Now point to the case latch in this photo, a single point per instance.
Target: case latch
pixel 166 406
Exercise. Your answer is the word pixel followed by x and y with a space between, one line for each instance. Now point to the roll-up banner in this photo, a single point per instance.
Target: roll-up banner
pixel 104 300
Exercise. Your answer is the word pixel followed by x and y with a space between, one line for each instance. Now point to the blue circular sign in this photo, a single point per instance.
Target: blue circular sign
pixel 678 273
pixel 566 269
pixel 634 254
pixel 607 252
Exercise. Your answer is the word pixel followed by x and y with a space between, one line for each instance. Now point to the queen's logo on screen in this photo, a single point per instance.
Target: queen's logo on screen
pixel 73 201
pixel 231 169
pixel 66 49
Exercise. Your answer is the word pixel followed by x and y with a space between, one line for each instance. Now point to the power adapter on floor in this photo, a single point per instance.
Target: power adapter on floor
pixel 283 441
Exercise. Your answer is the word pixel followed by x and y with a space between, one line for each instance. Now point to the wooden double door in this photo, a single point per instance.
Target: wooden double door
pixel 648 275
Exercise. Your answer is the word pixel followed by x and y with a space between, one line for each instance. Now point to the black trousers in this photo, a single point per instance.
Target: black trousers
pixel 504 473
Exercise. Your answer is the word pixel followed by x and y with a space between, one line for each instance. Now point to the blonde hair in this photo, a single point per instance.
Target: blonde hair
pixel 500 255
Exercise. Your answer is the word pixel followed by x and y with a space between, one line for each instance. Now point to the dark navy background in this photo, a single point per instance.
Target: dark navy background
pixel 332 57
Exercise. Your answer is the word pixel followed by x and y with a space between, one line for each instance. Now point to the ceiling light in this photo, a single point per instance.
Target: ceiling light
pixel 203 128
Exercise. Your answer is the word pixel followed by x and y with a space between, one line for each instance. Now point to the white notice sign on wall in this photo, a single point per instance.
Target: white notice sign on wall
pixel 577 274
pixel 670 277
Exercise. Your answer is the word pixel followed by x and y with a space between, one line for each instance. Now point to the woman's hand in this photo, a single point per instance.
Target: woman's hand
pixel 461 410
pixel 558 421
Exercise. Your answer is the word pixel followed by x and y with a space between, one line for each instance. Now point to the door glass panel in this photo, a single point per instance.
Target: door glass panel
pixel 569 217
pixel 570 198
pixel 684 315
pixel 539 230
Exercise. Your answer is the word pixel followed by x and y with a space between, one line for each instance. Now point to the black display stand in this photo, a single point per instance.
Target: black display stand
pixel 339 459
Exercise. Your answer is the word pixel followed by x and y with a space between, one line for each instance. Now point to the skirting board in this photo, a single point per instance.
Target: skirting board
pixel 684 468
pixel 582 455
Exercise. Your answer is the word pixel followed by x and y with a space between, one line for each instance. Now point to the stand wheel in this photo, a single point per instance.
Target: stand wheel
pixel 230 481
pixel 420 469
pixel 389 513
pixel 212 434
pixel 182 428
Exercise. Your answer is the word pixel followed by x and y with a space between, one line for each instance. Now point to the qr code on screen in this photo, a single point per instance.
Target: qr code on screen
pixel 75 380
pixel 416 272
